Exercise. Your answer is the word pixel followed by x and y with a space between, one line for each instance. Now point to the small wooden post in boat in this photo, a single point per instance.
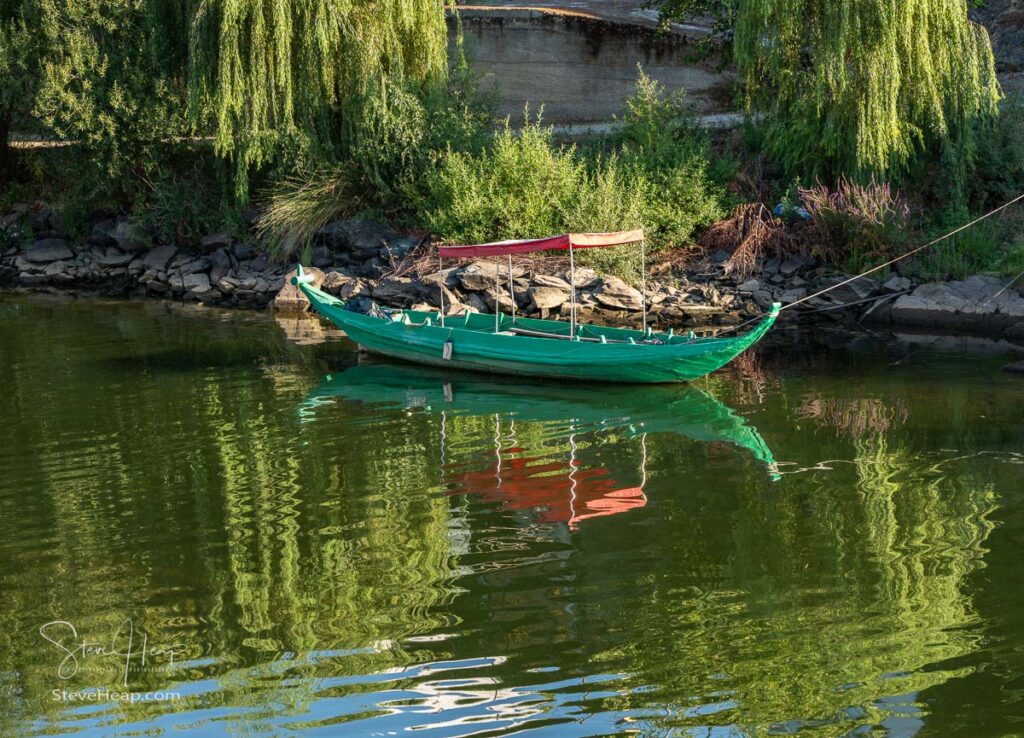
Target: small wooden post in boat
pixel 511 289
pixel 440 282
pixel 497 298
pixel 643 281
pixel 572 293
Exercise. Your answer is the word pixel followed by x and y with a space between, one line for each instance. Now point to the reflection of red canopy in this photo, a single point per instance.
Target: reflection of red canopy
pixel 552 243
pixel 548 489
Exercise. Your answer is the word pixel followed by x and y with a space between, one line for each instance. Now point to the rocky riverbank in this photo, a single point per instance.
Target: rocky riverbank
pixel 365 262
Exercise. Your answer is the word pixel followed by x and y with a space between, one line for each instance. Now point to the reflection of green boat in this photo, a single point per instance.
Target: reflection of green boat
pixel 685 411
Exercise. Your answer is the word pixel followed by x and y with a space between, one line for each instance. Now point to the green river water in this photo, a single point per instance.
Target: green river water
pixel 208 527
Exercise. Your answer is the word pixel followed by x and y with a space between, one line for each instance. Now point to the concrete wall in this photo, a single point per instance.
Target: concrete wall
pixel 581 67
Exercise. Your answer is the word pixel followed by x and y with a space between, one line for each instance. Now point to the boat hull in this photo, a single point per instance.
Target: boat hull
pixel 419 338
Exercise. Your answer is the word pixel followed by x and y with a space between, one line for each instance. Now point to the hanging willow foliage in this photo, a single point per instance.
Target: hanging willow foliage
pixel 860 86
pixel 270 73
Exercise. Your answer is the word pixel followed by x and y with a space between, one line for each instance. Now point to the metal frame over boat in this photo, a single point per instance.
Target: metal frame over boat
pixel 510 344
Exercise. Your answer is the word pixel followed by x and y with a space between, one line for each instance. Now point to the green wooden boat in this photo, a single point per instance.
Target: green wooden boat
pixel 510 344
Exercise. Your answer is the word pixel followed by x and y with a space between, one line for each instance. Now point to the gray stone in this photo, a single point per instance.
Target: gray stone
pixel 751 285
pixel 481 275
pixel 897 284
pixel 361 237
pixel 399 291
pixel 356 289
pixel 220 265
pixel 115 258
pixel 214 241
pixel 398 248
pixel 334 281
pixel 158 258
pixel 547 298
pixel 202 264
pixel 195 282
pixel 859 289
pixel 101 234
pixel 616 294
pixel 794 264
pixel 791 296
pixel 545 280
pixel 47 250
pixel 1016 367
pixel 585 277
pixel 131 237
pixel 244 250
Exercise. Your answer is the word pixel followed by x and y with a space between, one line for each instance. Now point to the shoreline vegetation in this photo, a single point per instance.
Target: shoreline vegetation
pixel 203 173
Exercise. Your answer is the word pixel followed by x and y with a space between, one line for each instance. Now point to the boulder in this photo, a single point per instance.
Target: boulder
pixel 398 248
pixel 131 237
pixel 215 241
pixel 359 236
pixel 585 276
pixel 859 289
pixel 101 234
pixel 397 291
pixel 897 284
pixel 334 281
pixel 356 289
pixel 290 297
pixel 791 296
pixel 794 264
pixel 220 265
pixel 157 258
pixel 751 286
pixel 546 280
pixel 616 294
pixel 547 298
pixel 481 275
pixel 244 251
pixel 47 250
pixel 195 282
pixel 115 258
pixel 1016 367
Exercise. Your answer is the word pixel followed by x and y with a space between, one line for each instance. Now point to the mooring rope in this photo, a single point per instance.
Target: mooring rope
pixel 938 240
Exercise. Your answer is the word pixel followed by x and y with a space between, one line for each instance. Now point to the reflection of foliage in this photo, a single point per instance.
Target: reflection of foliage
pixel 853 418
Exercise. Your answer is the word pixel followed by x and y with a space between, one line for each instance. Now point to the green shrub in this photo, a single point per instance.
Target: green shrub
pixel 653 174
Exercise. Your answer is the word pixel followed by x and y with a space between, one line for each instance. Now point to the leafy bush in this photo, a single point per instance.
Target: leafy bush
pixel 856 223
pixel 653 173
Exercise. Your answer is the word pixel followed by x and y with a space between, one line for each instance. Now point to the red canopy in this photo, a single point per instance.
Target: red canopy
pixel 552 243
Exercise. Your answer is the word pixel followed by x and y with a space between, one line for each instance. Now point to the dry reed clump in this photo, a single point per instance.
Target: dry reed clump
pixel 750 233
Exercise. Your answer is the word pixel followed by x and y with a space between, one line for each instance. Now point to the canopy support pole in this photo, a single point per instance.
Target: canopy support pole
pixel 572 294
pixel 511 289
pixel 643 282
pixel 440 283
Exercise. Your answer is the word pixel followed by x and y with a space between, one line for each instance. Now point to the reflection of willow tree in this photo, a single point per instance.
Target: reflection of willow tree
pixel 826 601
pixel 190 501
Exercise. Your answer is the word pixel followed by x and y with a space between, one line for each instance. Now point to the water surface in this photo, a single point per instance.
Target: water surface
pixel 824 539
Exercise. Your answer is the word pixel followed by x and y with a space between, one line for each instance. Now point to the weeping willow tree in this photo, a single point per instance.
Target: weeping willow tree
pixel 310 80
pixel 859 87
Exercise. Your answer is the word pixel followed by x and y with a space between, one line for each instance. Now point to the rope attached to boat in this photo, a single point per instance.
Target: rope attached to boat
pixel 928 245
